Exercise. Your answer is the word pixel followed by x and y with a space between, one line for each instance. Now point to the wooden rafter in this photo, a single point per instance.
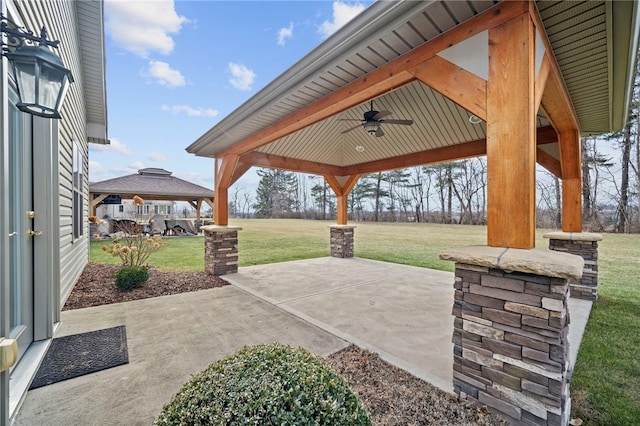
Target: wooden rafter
pixel 462 87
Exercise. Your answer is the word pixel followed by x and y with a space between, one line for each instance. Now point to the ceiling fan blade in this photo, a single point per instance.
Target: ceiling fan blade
pixel 350 129
pixel 349 119
pixel 403 122
pixel 381 114
pixel 379 132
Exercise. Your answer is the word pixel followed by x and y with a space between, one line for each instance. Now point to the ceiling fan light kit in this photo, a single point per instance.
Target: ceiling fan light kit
pixel 373 120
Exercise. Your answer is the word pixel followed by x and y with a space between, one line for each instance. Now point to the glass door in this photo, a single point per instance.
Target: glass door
pixel 20 225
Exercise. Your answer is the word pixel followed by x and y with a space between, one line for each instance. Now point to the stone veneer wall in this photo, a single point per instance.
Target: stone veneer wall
pixel 584 245
pixel 220 249
pixel 511 351
pixel 341 240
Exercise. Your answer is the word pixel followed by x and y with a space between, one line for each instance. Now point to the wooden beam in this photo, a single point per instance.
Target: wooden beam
pixel 432 156
pixel 462 87
pixel 477 148
pixel 511 148
pixel 95 201
pixel 555 98
pixel 541 79
pixel 241 169
pixel 387 77
pixel 342 186
pixel 260 159
pixel 549 162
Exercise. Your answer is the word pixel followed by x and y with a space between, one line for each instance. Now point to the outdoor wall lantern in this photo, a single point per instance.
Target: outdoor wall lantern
pixel 41 78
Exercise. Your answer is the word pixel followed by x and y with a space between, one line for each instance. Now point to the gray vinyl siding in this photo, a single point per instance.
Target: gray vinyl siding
pixel 60 19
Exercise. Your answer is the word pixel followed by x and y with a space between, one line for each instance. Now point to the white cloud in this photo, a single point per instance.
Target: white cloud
pixel 94 166
pixel 241 76
pixel 143 27
pixel 190 111
pixel 115 147
pixel 285 33
pixel 342 13
pixel 136 165
pixel 157 156
pixel 164 74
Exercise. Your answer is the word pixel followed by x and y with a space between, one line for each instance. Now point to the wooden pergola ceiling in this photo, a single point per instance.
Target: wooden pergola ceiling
pixel 436 63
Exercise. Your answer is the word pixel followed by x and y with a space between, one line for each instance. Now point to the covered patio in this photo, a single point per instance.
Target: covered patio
pixel 415 83
pixel 400 312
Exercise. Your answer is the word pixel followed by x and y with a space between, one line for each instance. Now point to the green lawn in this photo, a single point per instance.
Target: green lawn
pixel 606 381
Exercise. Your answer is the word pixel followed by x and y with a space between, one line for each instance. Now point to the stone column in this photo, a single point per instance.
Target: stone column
pixel 511 351
pixel 341 240
pixel 585 245
pixel 220 249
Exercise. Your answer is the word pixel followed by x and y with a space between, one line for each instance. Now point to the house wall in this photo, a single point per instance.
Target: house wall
pixel 59 17
pixel 112 211
pixel 59 257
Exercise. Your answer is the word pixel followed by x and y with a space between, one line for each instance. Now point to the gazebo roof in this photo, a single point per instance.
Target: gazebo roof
pixel 594 44
pixel 152 184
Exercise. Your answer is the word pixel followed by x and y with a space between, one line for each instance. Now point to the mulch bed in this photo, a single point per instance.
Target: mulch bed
pixel 393 396
pixel 96 286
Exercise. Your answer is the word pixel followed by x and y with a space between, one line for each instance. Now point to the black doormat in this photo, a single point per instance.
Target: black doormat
pixel 80 354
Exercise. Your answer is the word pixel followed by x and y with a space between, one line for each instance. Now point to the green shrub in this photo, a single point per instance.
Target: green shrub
pixel 131 277
pixel 266 385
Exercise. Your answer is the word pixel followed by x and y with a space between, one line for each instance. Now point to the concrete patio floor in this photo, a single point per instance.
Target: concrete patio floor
pixel 401 312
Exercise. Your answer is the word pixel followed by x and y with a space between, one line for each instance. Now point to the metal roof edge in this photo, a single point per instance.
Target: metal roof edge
pixel 626 30
pixel 97 7
pixel 373 19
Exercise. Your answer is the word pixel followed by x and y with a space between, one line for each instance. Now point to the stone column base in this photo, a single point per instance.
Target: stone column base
pixel 585 245
pixel 341 240
pixel 220 249
pixel 511 351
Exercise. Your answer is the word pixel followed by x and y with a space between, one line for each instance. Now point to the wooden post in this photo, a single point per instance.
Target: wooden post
pixel 224 169
pixel 511 133
pixel 571 162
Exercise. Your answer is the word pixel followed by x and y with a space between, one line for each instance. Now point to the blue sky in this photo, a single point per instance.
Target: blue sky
pixel 175 69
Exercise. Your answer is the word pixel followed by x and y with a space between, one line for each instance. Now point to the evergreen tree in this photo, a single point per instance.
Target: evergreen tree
pixel 276 194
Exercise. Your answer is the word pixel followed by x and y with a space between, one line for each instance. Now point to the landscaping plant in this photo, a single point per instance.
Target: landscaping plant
pixel 268 385
pixel 130 277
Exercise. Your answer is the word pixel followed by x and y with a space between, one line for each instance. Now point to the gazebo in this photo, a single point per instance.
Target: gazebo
pixel 151 184
pixel 414 83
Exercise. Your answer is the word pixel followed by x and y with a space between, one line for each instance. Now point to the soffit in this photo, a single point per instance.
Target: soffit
pixel 579 33
pixel 91 34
